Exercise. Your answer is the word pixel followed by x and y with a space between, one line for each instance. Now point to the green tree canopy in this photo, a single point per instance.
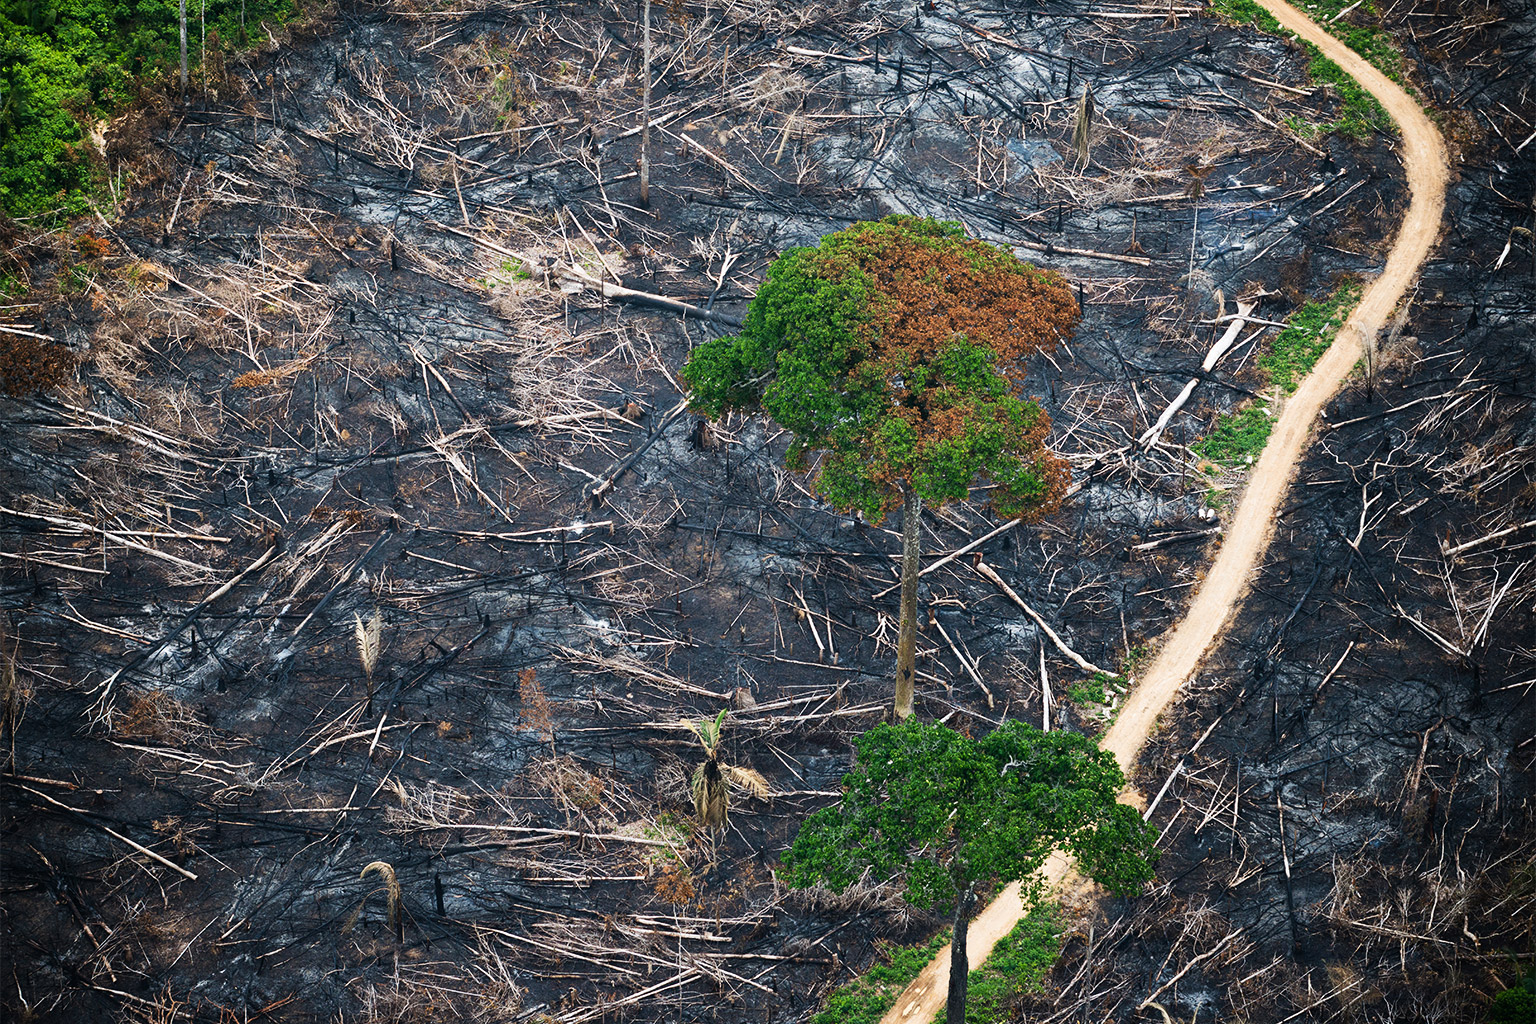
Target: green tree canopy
pixel 946 813
pixel 66 65
pixel 951 816
pixel 895 347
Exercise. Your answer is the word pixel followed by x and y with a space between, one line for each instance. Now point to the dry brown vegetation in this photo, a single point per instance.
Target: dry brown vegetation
pixel 362 337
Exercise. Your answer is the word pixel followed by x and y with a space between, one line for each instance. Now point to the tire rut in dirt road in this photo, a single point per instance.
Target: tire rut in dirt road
pixel 1248 534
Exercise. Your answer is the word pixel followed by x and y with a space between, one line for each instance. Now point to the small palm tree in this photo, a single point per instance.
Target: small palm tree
pixel 712 780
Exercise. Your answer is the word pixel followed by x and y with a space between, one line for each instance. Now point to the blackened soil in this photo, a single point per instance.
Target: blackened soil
pixel 327 374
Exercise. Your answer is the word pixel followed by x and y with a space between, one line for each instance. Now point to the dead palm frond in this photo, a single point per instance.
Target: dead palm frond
pixel 370 636
pixel 712 780
pixel 391 899
pixel 710 799
pixel 14 698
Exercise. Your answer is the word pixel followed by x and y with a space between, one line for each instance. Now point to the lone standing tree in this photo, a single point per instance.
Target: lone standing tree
pixel 952 816
pixel 895 348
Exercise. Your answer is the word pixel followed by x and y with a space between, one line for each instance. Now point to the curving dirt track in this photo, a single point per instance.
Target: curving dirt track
pixel 1248 533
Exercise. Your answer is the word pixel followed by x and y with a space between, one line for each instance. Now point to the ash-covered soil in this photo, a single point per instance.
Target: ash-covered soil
pixel 1353 838
pixel 336 370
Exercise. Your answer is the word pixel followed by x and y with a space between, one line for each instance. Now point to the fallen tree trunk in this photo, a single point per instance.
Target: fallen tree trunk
pixel 1223 345
pixel 1061 645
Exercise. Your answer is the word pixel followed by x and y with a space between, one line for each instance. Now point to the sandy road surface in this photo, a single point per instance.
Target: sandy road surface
pixel 1248 534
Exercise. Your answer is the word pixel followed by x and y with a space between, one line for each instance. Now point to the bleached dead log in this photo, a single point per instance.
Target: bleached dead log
pixel 628 666
pixel 572 272
pixel 619 293
pixel 1430 634
pixel 1451 552
pixel 8 329
pixel 600 486
pixel 1176 538
pixel 1151 435
pixel 725 165
pixel 146 851
pixel 965 662
pixel 1045 694
pixel 968 548
pixel 1061 645
pixel 1147 814
pixel 115 536
pixel 104 690
pixel 1245 308
pixel 131 432
pixel 1226 941
pixel 1223 345
pixel 1051 249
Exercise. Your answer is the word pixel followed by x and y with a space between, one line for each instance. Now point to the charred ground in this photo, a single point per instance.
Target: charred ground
pixel 1353 838
pixel 333 361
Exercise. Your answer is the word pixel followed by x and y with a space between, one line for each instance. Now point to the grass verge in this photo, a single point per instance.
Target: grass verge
pixel 1359 113
pixel 1017 965
pixel 865 1000
pixel 1101 688
pixel 1239 436
pixel 1307 335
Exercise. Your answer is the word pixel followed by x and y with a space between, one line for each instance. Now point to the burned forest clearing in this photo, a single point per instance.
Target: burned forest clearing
pixel 373 594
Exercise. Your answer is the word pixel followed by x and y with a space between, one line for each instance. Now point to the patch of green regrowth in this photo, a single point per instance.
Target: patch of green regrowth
pixel 1307 334
pixel 866 999
pixel 1017 965
pixel 677 830
pixel 1239 436
pixel 1101 687
pixel 1360 115
pixel 1135 660
pixel 68 65
pixel 1304 128
pixel 1246 12
pixel 1090 690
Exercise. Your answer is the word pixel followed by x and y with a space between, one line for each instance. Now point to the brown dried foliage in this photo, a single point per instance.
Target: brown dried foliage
pixel 1014 310
pixel 93 246
pixel 158 717
pixel 675 886
pixel 537 714
pixel 28 364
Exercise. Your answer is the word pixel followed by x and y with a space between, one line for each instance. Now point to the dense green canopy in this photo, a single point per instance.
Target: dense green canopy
pixel 946 813
pixel 895 347
pixel 67 64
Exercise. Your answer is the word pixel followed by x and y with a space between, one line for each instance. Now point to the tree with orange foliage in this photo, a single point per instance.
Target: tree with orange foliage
pixel 894 348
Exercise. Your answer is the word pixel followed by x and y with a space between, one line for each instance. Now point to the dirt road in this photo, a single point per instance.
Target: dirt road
pixel 1424 159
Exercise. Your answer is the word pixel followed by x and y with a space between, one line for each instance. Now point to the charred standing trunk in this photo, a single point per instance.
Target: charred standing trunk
pixel 645 116
pixel 906 641
pixel 710 798
pixel 959 962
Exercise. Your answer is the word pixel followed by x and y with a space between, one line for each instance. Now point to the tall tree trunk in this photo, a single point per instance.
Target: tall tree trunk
pixel 645 114
pixel 959 961
pixel 906 641
pixel 183 45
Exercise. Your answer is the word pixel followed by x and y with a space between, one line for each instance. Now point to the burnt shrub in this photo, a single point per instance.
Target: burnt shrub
pixel 28 365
